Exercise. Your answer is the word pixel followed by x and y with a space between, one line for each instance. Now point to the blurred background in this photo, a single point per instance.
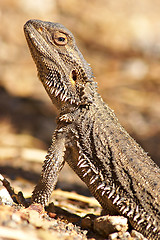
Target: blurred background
pixel 121 41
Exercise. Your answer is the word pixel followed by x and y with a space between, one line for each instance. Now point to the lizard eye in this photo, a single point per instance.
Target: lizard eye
pixel 60 38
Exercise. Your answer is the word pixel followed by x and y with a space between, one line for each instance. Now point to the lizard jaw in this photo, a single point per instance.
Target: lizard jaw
pixel 56 85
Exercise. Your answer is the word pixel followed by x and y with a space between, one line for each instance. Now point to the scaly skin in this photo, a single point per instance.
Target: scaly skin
pixel 88 136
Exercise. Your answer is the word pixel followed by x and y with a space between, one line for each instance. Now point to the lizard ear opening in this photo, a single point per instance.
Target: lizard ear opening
pixel 74 75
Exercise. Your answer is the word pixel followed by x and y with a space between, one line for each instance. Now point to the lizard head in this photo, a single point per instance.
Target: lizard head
pixel 65 74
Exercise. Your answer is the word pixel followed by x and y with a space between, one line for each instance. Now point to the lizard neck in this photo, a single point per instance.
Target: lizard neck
pixel 72 113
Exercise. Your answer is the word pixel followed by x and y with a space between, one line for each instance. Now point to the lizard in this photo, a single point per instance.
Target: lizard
pixel 89 137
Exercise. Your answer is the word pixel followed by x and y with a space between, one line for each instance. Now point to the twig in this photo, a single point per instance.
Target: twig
pixel 17 198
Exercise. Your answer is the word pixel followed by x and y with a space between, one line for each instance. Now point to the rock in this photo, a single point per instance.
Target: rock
pixel 87 221
pixel 106 225
pixel 120 236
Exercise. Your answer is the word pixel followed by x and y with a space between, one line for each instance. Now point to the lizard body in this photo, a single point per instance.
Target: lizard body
pixel 89 137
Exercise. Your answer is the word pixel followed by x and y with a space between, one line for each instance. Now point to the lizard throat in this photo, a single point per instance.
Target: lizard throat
pixel 57 87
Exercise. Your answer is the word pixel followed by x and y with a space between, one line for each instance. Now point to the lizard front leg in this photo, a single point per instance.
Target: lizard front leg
pixel 52 165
